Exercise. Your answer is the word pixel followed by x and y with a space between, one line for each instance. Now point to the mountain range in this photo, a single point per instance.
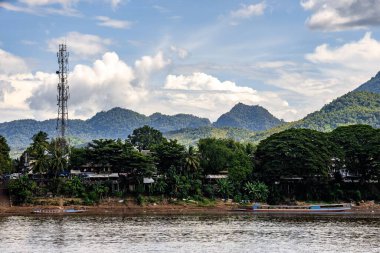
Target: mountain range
pixel 242 122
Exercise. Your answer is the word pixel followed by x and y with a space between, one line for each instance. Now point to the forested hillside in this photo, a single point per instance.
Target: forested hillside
pixel 255 118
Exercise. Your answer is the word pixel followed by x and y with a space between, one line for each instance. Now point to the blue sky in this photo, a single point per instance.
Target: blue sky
pixel 198 57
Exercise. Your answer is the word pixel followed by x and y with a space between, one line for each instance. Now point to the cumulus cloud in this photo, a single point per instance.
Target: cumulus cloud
pixel 364 51
pixel 5 87
pixel 108 83
pixel 327 73
pixel 111 82
pixel 247 11
pixel 209 97
pixel 113 23
pixel 298 88
pixel 81 45
pixel 342 14
pixel 147 65
pixel 11 64
pixel 105 84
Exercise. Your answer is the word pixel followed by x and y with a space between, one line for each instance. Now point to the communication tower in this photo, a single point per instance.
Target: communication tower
pixel 63 95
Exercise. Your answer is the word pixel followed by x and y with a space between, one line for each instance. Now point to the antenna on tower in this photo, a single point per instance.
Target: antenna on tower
pixel 63 95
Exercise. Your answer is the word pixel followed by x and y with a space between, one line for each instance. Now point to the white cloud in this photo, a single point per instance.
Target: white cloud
pixel 327 73
pixel 105 84
pixel 11 64
pixel 114 23
pixel 203 82
pixel 207 96
pixel 342 14
pixel 42 7
pixel 147 65
pixel 298 88
pixel 110 82
pixel 115 3
pixel 353 54
pixel 81 45
pixel 247 11
pixel 64 3
pixel 15 89
pixel 181 52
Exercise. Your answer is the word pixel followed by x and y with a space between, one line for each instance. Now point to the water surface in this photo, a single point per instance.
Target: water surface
pixel 190 233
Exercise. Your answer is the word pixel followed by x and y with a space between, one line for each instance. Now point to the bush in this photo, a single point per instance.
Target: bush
pixel 257 191
pixel 118 194
pixel 22 190
pixel 140 200
pixel 73 187
pixel 209 190
pixel 274 196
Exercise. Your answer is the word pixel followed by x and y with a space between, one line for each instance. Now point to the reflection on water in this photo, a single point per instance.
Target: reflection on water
pixel 190 233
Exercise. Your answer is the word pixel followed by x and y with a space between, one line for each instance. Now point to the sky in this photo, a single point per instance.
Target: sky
pixel 174 56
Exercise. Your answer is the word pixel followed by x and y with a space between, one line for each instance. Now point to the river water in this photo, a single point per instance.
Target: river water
pixel 191 233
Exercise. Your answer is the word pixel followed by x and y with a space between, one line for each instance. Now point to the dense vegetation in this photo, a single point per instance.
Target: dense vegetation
pixel 5 160
pixel 294 164
pixel 353 108
pixel 254 118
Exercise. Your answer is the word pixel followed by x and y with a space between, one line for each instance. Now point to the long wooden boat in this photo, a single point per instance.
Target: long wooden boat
pixel 57 211
pixel 257 208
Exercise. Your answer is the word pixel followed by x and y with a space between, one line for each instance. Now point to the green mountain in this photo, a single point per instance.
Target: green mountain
pixel 356 107
pixel 361 106
pixel 254 118
pixel 115 123
pixel 373 85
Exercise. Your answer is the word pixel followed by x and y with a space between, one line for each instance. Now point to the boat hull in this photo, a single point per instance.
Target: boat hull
pixel 340 210
pixel 57 211
pixel 257 208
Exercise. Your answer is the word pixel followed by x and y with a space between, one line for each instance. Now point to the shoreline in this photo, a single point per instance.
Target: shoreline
pixel 159 209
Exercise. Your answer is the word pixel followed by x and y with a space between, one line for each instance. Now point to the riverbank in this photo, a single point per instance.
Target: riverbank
pixel 117 207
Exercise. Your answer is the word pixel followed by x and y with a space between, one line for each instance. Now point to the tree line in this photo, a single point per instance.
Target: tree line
pixel 296 164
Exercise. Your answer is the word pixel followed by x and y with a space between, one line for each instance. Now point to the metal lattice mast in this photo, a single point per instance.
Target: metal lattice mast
pixel 63 94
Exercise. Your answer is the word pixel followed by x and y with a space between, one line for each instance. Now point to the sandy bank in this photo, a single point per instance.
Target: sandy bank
pixel 115 208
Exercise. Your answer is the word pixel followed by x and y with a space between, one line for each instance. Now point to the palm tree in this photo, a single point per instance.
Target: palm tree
pixel 58 157
pixel 192 161
pixel 40 161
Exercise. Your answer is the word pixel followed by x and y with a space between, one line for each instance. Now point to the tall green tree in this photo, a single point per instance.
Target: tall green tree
pixel 296 153
pixel 361 146
pixel 145 137
pixel 102 152
pixel 39 152
pixel 58 157
pixel 192 161
pixel 5 160
pixel 218 155
pixel 169 153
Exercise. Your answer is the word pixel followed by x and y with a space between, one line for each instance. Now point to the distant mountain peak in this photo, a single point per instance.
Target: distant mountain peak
pixel 251 117
pixel 372 85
